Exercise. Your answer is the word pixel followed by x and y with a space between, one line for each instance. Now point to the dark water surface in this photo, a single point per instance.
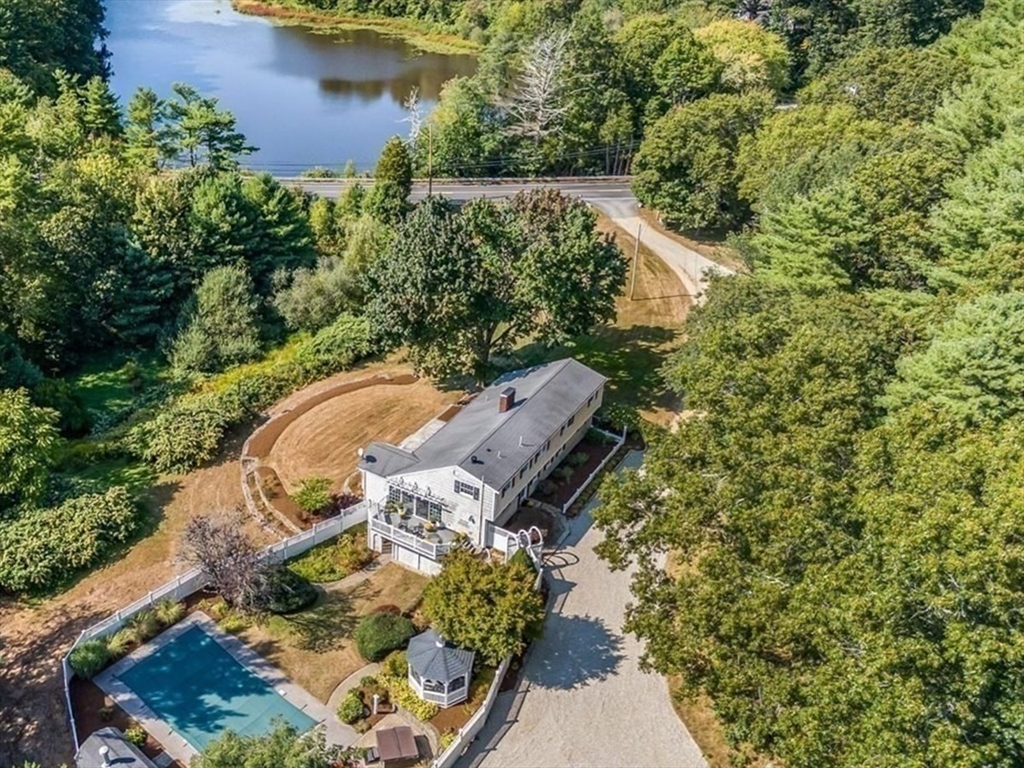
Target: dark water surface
pixel 304 99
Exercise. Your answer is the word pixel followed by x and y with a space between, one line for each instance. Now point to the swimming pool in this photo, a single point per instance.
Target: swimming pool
pixel 200 691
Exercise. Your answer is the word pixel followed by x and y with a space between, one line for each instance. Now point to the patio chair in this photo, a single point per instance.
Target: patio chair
pixel 372 756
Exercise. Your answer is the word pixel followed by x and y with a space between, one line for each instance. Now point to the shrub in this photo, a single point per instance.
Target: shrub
pixel 189 431
pixel 548 488
pixel 563 473
pixel 59 395
pixel 143 626
pixel 90 657
pixel 43 547
pixel 314 494
pixel 169 612
pixel 137 735
pixel 334 560
pixel 448 738
pixel 367 681
pixel 394 665
pixel 380 633
pixel 289 592
pixel 617 416
pixel 334 348
pixel 404 696
pixel 234 622
pixel 578 459
pixel 181 437
pixel 351 707
pixel 119 642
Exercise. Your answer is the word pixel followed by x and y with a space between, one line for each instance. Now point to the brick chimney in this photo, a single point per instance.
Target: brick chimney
pixel 507 400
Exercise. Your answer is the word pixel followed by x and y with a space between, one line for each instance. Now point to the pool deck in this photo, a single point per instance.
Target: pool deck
pixel 110 683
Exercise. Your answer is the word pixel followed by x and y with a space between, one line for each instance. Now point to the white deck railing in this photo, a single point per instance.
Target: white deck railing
pixel 407 539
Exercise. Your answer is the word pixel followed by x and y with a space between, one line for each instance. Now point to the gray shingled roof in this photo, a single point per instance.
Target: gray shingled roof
pixel 122 754
pixel 489 445
pixel 434 659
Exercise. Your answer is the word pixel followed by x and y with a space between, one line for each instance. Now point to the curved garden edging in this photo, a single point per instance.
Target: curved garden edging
pixel 260 443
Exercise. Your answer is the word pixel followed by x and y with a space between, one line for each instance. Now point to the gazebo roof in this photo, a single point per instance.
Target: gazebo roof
pixel 431 657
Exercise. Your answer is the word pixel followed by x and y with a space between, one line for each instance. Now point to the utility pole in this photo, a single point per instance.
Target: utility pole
pixel 636 258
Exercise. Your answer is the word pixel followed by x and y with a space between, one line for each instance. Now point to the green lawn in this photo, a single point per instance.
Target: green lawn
pixel 111 384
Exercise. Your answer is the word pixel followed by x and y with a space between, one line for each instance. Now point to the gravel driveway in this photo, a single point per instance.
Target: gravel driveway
pixel 582 701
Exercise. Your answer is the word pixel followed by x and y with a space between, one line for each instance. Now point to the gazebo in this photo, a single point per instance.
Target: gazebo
pixel 438 671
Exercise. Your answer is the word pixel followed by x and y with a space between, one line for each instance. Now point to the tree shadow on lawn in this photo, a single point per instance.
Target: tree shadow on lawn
pixel 577 651
pixel 321 628
pixel 630 357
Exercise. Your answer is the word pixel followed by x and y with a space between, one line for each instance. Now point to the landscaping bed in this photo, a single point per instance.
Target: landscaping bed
pixel 93 710
pixel 577 467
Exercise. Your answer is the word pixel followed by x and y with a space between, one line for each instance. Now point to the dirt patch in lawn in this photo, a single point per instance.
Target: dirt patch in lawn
pixel 315 648
pixel 35 635
pixel 324 440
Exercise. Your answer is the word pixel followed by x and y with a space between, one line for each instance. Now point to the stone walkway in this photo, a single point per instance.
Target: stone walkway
pixel 582 699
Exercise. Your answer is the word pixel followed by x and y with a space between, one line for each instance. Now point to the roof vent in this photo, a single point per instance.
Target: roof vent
pixel 507 400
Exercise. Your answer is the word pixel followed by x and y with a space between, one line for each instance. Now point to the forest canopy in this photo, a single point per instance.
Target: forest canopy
pixel 841 511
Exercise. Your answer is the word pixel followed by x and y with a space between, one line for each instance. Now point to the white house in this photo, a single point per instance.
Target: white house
pixel 470 474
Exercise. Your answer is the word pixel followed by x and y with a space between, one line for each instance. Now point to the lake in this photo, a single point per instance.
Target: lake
pixel 305 99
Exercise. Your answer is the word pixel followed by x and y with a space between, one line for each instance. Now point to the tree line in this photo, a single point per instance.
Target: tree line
pixel 841 511
pixel 577 86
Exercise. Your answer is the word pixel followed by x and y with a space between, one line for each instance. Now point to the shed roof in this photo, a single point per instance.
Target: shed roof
pixel 489 444
pixel 397 743
pixel 432 658
pixel 122 753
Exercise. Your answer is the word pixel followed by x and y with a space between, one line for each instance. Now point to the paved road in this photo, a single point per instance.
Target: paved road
pixel 582 700
pixel 613 196
pixel 592 190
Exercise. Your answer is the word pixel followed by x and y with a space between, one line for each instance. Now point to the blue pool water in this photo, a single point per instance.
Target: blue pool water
pixel 198 689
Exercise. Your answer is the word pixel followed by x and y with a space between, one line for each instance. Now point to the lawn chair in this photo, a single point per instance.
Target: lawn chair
pixel 372 756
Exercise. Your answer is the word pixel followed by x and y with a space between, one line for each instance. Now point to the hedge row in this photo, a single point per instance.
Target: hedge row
pixel 43 547
pixel 189 432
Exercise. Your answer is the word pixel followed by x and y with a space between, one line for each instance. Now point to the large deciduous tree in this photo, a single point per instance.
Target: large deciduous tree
pixel 686 166
pixel 751 56
pixel 457 286
pixel 487 608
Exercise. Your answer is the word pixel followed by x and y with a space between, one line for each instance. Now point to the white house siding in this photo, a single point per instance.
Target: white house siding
pixel 415 560
pixel 463 512
pixel 561 446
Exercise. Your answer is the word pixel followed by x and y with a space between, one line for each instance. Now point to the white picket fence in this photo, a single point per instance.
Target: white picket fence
pixel 619 442
pixel 188 583
pixel 469 731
